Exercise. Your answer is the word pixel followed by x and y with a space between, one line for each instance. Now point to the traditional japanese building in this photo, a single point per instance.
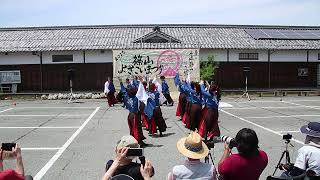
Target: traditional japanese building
pixel 278 56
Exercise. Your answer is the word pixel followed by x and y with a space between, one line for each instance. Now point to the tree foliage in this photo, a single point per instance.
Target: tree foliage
pixel 207 68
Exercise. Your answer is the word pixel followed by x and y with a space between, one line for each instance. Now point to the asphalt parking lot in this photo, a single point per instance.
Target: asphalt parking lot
pixel 73 141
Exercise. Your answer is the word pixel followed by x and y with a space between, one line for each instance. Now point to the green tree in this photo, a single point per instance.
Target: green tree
pixel 207 68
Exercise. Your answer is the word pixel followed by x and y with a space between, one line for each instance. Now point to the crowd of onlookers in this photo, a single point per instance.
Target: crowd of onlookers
pixel 247 164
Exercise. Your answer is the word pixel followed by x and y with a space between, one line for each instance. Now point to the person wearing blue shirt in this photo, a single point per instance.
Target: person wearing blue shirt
pixel 120 96
pixel 208 126
pixel 129 85
pixel 135 82
pixel 194 96
pixel 157 118
pixel 182 86
pixel 110 95
pixel 196 106
pixel 182 101
pixel 165 91
pixel 132 104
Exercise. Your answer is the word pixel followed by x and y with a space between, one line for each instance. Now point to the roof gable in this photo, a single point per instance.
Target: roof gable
pixel 156 36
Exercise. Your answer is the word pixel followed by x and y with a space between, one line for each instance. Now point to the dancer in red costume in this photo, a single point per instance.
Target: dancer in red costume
pixel 208 126
pixel 134 117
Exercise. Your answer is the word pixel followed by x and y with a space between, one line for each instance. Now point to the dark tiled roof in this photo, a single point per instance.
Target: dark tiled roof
pixel 123 37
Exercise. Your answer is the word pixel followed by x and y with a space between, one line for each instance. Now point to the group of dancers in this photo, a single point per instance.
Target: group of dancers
pixel 197 106
pixel 142 98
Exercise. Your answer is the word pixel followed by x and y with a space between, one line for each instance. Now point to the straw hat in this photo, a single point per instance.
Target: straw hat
pixel 128 141
pixel 192 146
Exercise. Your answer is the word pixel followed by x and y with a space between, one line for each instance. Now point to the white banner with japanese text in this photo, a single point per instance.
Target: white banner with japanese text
pixel 156 62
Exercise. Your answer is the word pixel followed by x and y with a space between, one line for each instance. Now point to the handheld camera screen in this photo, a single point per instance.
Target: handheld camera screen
pixel 8 146
pixel 135 152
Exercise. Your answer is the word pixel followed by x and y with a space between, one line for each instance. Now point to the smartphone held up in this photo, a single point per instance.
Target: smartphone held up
pixel 7 150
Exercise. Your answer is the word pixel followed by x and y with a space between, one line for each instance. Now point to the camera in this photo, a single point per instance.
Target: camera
pixel 8 146
pixel 287 136
pixel 229 140
pixel 135 152
pixel 210 144
pixel 7 150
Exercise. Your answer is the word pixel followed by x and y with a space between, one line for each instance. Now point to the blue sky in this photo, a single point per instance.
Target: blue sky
pixel 18 13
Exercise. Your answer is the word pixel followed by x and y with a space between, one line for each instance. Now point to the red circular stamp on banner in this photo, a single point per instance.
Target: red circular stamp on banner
pixel 170 61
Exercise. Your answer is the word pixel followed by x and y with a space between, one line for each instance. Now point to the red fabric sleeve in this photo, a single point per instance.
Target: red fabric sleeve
pixel 10 174
pixel 264 157
pixel 226 166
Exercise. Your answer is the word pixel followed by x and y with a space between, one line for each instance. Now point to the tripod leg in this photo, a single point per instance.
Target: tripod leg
pixel 244 94
pixel 278 165
pixel 288 157
pixel 248 97
pixel 210 155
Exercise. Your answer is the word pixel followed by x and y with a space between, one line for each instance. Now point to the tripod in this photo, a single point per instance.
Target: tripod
pixel 210 146
pixel 206 159
pixel 210 156
pixel 286 154
pixel 245 94
pixel 71 98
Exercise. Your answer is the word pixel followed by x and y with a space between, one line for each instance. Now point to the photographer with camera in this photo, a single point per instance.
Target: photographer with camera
pixel 12 151
pixel 126 151
pixel 194 149
pixel 249 163
pixel 308 158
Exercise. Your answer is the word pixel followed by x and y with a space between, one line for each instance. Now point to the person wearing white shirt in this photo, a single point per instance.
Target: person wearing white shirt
pixel 194 149
pixel 308 158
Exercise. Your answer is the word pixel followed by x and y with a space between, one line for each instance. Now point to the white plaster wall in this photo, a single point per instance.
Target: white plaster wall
pixel 234 55
pixel 289 56
pixel 19 58
pixel 219 55
pixel 313 56
pixel 97 57
pixel 47 56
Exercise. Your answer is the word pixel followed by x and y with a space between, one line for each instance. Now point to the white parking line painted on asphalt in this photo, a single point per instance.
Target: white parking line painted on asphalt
pixel 270 101
pixel 55 107
pixel 41 127
pixel 311 107
pixel 257 125
pixel 40 149
pixel 288 131
pixel 44 170
pixel 273 107
pixel 43 115
pixel 6 110
pixel 224 105
pixel 288 116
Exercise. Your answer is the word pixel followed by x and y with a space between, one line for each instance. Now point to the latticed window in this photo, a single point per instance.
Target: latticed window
pixel 248 56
